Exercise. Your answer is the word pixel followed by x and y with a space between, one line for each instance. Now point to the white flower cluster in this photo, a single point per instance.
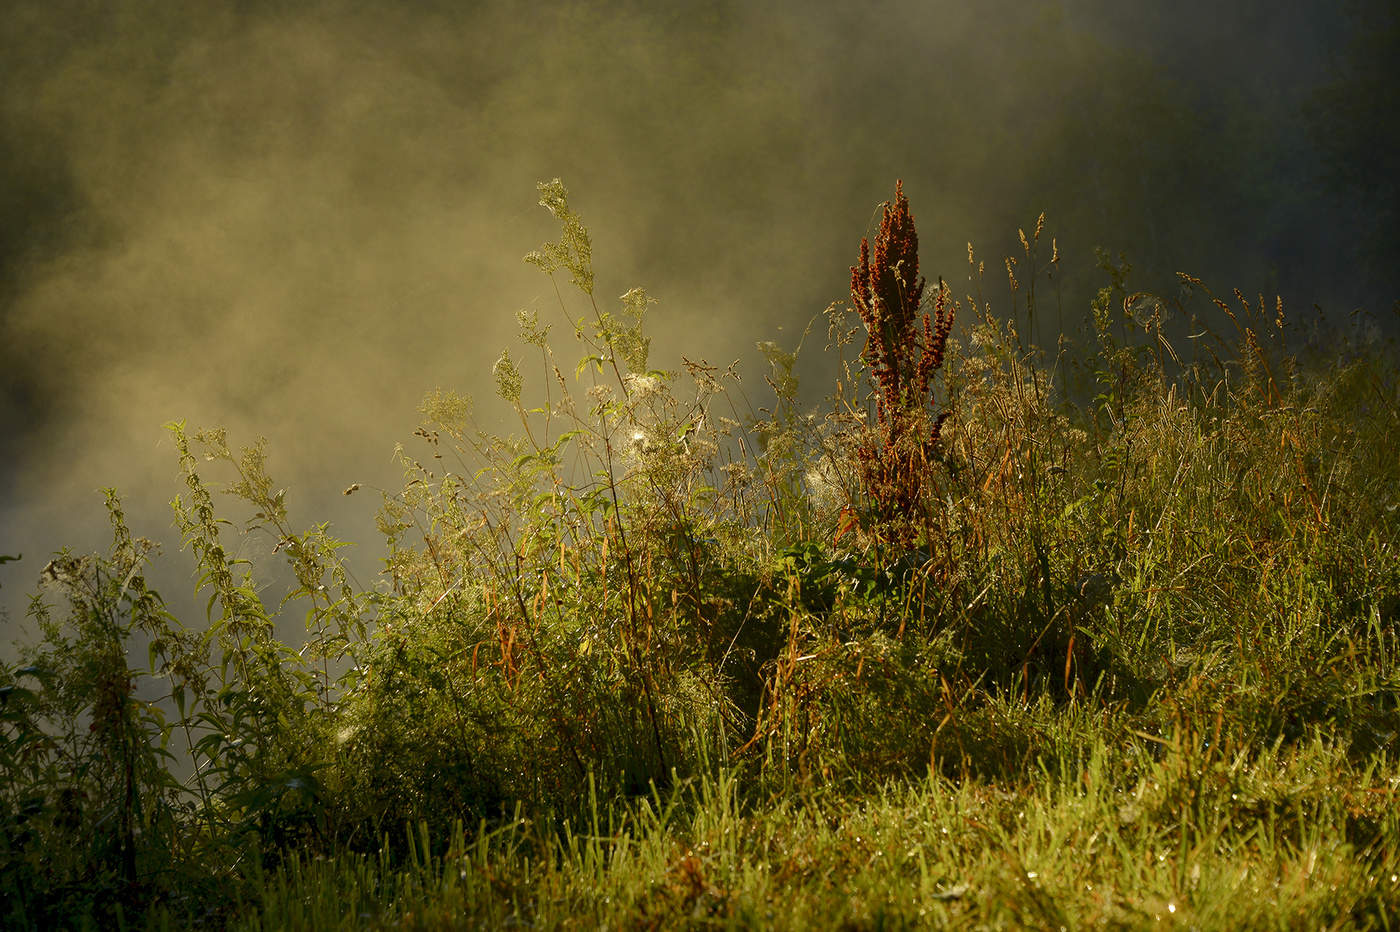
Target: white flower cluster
pixel 643 386
pixel 824 487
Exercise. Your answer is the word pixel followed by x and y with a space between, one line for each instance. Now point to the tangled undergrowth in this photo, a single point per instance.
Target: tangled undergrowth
pixel 997 637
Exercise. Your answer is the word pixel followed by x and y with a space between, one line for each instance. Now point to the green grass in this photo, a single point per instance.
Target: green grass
pixel 1099 636
pixel 1282 841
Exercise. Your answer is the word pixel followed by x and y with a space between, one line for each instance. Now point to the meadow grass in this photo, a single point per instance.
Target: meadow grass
pixel 995 636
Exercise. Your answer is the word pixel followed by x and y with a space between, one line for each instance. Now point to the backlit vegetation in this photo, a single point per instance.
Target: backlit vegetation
pixel 1100 633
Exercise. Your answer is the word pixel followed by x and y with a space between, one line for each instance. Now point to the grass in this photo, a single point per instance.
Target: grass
pixel 1246 844
pixel 997 636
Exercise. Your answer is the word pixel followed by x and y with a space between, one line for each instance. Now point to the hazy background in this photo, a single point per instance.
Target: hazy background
pixel 295 219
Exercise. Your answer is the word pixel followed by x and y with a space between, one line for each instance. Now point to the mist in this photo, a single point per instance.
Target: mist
pixel 293 220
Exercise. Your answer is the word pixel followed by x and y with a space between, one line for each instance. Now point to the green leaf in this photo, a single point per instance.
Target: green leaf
pixel 14 692
pixel 209 745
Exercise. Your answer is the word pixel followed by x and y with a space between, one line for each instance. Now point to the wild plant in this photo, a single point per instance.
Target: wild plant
pixel 582 584
pixel 91 810
pixel 256 727
pixel 904 349
pixel 152 785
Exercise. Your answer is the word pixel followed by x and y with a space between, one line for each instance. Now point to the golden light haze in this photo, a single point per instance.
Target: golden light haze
pixel 295 220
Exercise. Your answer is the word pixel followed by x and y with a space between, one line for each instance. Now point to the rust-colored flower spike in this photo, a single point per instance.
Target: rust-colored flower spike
pixel 904 348
pixel 934 346
pixel 887 292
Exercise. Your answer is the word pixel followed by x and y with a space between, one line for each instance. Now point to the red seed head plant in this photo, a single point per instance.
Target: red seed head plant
pixel 904 347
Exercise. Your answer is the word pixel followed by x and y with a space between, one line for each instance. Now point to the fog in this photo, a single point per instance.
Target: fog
pixel 293 220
